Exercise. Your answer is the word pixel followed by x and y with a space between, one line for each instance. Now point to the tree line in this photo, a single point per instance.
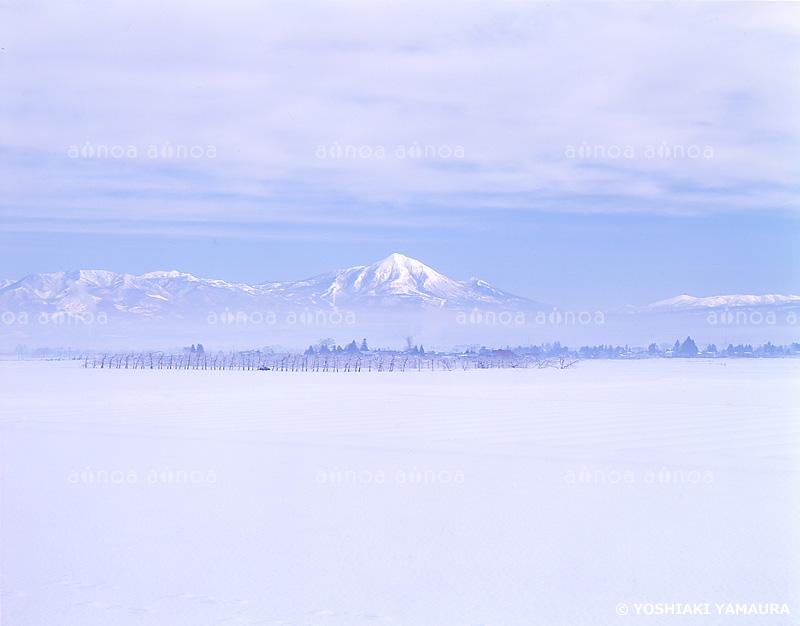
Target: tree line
pixel 378 361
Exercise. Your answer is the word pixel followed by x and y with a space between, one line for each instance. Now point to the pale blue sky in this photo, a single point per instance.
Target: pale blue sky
pixel 510 90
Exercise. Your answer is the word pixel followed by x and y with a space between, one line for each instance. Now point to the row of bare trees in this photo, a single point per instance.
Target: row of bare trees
pixel 289 362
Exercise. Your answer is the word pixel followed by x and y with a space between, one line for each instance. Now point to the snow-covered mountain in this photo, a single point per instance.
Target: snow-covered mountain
pixel 95 291
pixel 396 280
pixel 690 303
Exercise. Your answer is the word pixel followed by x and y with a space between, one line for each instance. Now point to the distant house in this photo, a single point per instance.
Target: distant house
pixel 504 353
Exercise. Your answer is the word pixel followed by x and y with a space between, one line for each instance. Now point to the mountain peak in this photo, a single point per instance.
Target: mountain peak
pixel 397 263
pixel 396 257
pixel 167 274
pixel 396 275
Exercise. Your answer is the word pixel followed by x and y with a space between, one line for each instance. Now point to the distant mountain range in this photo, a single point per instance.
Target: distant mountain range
pixel 388 301
pixel 395 281
pixel 690 303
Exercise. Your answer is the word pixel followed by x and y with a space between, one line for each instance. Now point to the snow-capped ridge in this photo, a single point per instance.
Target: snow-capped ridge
pixel 686 302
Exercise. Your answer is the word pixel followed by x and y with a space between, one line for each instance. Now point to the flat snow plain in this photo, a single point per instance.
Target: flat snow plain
pixel 464 498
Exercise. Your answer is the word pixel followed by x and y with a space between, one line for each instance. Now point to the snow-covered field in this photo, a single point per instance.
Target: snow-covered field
pixel 496 498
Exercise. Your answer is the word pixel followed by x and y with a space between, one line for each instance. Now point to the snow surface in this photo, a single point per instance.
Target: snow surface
pixel 262 535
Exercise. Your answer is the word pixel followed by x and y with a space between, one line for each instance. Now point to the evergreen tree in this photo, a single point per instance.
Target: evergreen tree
pixel 689 348
pixel 364 347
